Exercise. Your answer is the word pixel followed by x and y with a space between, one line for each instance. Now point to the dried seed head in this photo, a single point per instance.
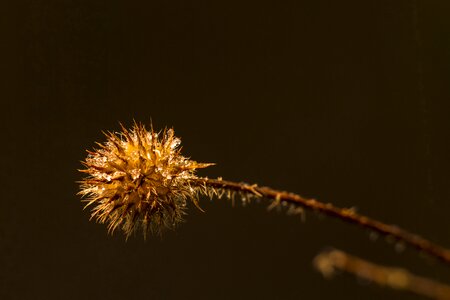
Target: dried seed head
pixel 137 180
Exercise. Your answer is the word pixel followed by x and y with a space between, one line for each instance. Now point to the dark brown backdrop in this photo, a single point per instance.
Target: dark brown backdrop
pixel 345 101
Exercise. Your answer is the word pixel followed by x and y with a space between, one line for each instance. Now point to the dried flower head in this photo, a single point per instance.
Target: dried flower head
pixel 138 180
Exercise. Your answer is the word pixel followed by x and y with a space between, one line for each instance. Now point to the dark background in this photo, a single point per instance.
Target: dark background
pixel 345 101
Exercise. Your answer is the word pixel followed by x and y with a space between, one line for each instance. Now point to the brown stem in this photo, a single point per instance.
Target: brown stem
pixel 328 262
pixel 347 215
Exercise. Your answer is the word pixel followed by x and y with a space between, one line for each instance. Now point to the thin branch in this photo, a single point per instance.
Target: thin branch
pixel 347 215
pixel 328 262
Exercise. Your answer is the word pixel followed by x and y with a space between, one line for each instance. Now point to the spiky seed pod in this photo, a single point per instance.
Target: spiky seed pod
pixel 138 180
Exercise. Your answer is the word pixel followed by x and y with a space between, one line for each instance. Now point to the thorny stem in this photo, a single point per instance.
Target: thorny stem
pixel 347 215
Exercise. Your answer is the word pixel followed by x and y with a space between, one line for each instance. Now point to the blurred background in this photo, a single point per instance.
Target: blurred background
pixel 344 101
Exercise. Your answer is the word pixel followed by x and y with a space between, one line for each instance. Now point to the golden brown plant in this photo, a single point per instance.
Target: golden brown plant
pixel 138 180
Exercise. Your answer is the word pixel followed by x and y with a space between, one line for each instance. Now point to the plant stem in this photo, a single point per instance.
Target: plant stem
pixel 328 262
pixel 347 215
